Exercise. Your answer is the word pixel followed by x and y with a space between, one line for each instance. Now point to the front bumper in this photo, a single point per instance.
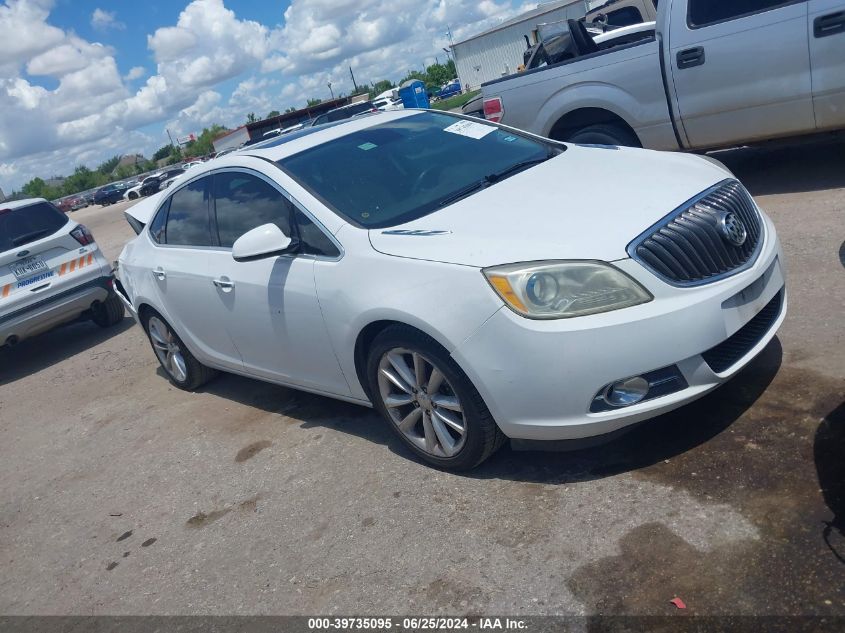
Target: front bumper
pixel 540 378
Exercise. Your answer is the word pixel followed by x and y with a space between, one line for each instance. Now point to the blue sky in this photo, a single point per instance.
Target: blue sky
pixel 83 80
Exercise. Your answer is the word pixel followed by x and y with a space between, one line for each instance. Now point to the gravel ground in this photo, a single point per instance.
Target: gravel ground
pixel 122 495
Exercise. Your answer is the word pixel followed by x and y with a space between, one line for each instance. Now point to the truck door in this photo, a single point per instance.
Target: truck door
pixel 826 20
pixel 740 70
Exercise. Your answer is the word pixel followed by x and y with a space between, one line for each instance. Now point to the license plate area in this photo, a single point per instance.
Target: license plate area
pixel 28 267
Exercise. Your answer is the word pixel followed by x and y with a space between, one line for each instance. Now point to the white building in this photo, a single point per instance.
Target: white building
pixel 498 51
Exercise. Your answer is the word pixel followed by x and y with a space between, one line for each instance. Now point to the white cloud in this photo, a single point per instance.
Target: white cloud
pixel 103 20
pixel 136 72
pixel 278 67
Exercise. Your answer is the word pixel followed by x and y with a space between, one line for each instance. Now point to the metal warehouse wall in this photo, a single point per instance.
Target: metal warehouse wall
pixel 492 55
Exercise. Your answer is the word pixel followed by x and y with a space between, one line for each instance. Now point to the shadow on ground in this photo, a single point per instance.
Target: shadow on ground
pixel 809 166
pixel 38 353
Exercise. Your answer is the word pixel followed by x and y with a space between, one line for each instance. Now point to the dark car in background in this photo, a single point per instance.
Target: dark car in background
pixel 109 194
pixel 345 112
pixel 153 185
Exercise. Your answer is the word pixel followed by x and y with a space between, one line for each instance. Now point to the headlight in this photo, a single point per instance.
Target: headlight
pixel 565 289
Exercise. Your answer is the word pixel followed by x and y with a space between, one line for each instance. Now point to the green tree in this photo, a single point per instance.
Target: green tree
pixel 82 179
pixel 381 86
pixel 163 152
pixel 313 102
pixel 291 109
pixel 272 114
pixel 205 141
pixel 251 118
pixel 437 74
pixel 108 166
pixel 37 188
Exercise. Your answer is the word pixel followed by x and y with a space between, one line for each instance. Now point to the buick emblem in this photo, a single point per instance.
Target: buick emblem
pixel 733 229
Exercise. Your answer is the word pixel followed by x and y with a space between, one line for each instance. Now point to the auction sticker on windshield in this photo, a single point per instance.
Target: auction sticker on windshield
pixel 27 267
pixel 470 129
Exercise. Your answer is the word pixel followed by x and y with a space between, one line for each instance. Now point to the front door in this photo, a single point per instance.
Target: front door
pixel 271 307
pixel 741 70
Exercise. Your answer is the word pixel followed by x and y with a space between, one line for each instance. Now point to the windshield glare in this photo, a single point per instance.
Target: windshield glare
pixel 402 170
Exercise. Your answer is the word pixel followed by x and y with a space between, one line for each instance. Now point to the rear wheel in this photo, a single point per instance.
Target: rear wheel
pixel 182 368
pixel 605 134
pixel 109 312
pixel 428 401
pixel 132 195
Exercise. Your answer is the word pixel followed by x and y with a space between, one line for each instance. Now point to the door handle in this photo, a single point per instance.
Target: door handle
pixel 224 283
pixel 159 273
pixel 691 57
pixel 829 24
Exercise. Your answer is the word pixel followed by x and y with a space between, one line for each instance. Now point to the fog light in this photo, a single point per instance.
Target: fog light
pixel 624 393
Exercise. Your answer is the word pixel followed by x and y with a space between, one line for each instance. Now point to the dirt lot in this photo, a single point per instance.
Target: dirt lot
pixel 122 495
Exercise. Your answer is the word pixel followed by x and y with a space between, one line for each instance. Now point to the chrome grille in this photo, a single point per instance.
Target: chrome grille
pixel 689 248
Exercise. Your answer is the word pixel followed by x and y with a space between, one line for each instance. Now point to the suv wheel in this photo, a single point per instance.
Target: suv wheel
pixel 109 312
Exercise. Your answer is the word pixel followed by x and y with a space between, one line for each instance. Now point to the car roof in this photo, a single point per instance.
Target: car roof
pixel 17 204
pixel 282 146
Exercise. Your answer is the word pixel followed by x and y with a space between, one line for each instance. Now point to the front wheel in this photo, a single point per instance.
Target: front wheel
pixel 132 195
pixel 428 401
pixel 182 368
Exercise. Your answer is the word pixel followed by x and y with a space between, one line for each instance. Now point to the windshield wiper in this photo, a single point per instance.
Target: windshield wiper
pixel 518 167
pixel 30 237
pixel 492 179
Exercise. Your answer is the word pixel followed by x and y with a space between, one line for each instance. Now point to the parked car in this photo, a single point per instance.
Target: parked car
pixel 388 103
pixel 380 261
pixel 63 204
pixel 715 74
pixel 450 89
pixel 134 192
pixel 344 112
pixel 51 272
pixel 153 185
pixel 109 194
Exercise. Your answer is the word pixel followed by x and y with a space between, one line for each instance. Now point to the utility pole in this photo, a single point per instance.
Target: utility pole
pixel 353 79
pixel 331 91
pixel 170 137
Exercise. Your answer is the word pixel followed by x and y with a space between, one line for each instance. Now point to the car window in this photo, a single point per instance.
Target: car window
pixel 705 12
pixel 624 17
pixel 24 225
pixel 243 202
pixel 158 224
pixel 187 219
pixel 401 170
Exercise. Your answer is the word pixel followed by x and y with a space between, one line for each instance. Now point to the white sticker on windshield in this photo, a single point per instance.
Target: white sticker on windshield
pixel 470 129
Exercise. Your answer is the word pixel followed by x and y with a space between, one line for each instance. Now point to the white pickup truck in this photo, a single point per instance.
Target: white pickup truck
pixel 712 74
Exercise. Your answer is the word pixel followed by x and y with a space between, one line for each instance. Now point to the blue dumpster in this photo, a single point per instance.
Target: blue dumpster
pixel 413 94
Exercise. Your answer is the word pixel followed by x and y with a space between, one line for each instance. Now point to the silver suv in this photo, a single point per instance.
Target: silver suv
pixel 51 272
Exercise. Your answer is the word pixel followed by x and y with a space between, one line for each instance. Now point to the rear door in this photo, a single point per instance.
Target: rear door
pixel 740 69
pixel 182 229
pixel 826 21
pixel 40 258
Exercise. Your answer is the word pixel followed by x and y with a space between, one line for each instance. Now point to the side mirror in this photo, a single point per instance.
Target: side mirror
pixel 266 240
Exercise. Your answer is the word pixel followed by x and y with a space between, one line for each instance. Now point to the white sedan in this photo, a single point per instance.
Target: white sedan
pixel 461 277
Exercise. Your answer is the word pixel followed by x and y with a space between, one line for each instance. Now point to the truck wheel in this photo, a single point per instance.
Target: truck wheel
pixel 109 312
pixel 605 134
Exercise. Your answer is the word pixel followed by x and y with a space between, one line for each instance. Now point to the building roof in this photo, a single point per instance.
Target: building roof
pixel 542 9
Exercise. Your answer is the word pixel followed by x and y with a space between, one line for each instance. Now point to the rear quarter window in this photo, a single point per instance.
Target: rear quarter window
pixel 25 225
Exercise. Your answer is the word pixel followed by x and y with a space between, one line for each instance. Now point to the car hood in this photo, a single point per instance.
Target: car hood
pixel 587 203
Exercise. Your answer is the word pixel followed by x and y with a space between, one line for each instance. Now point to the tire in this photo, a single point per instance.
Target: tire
pixel 195 373
pixel 109 312
pixel 605 134
pixel 455 397
pixel 132 195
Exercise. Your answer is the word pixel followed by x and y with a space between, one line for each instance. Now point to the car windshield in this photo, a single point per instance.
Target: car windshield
pixel 404 169
pixel 27 224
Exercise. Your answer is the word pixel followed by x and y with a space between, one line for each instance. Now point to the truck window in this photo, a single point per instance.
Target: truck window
pixel 706 12
pixel 624 17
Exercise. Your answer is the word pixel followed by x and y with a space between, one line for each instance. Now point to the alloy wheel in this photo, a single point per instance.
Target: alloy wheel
pixel 421 402
pixel 166 347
